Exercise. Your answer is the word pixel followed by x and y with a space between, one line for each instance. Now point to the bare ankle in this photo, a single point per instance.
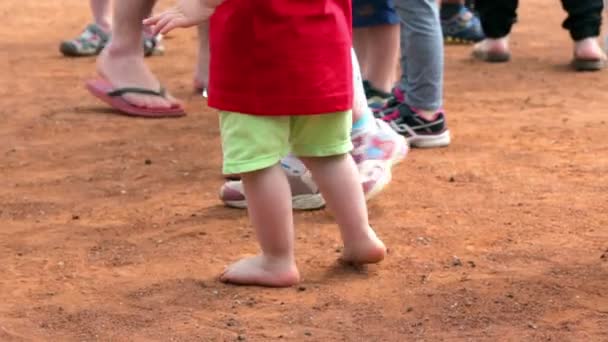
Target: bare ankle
pixel 119 49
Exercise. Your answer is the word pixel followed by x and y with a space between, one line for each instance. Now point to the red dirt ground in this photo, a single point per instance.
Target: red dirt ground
pixel 502 236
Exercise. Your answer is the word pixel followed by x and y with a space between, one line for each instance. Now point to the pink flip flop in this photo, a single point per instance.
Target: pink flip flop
pixel 104 91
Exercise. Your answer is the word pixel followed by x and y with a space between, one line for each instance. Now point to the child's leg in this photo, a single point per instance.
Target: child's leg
pixel 269 200
pixel 102 13
pixel 362 46
pixel 322 142
pixel 421 55
pixel 201 75
pixel 252 146
pixel 380 50
pixel 376 40
pixel 338 179
pixel 377 148
pixel 360 106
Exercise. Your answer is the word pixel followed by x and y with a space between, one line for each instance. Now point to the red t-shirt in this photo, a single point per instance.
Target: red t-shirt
pixel 281 57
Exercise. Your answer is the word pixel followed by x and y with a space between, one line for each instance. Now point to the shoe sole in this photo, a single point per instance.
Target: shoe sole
pixel 69 50
pixel 431 141
pixel 491 57
pixel 588 64
pixel 459 41
pixel 298 202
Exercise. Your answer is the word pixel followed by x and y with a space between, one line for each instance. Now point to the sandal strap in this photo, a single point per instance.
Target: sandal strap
pixel 134 90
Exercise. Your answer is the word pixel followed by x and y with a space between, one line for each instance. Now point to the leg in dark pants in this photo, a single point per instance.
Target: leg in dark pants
pixel 584 22
pixel 497 16
pixel 584 18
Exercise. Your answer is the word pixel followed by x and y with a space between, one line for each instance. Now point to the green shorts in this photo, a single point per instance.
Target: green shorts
pixel 252 142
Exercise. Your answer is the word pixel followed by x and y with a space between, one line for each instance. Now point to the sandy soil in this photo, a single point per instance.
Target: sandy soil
pixel 502 236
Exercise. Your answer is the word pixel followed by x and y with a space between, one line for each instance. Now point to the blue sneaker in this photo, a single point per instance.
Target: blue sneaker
pixel 463 28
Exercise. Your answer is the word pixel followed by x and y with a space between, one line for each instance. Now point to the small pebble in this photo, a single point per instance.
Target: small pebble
pixel 456 261
pixel 308 333
pixel 452 179
pixel 75 217
pixel 148 162
pixel 301 288
pixel 241 338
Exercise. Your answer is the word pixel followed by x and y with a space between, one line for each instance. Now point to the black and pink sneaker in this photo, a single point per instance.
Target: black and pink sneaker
pixel 419 131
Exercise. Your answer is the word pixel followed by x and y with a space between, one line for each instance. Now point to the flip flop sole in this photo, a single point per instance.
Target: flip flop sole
pixel 101 88
pixel 588 64
pixel 492 57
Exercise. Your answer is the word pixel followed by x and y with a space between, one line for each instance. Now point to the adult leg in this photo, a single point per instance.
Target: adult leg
pixel 584 22
pixel 497 19
pixel 122 61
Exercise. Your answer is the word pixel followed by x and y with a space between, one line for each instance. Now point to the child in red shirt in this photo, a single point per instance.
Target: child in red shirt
pixel 281 75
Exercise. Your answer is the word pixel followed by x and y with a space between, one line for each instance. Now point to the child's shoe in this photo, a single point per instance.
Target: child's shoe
pixel 90 42
pixel 462 28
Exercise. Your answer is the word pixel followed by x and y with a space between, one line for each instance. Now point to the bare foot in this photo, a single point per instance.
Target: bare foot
pixel 129 70
pixel 262 271
pixel 588 48
pixel 492 50
pixel 365 251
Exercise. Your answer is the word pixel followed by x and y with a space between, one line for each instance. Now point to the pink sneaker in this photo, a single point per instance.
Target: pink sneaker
pixel 375 154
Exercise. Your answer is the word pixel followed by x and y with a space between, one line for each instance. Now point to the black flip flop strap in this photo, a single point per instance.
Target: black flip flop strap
pixel 132 90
